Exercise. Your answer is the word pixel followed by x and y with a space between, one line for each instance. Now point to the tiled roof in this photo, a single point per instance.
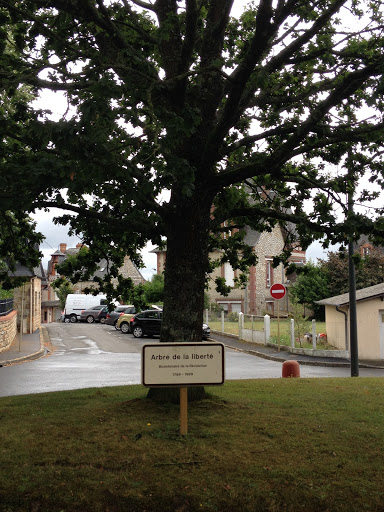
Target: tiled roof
pixel 23 271
pixel 364 294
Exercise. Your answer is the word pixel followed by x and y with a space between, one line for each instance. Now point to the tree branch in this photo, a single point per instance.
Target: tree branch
pixel 144 5
pixel 89 213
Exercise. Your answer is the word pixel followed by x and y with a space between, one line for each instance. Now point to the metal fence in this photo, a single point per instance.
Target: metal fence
pixel 267 330
pixel 6 306
pixel 252 325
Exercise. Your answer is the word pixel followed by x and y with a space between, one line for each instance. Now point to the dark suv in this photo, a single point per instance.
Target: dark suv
pixel 148 323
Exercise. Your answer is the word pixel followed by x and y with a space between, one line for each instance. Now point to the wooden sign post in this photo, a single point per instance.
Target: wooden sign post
pixel 182 365
pixel 183 411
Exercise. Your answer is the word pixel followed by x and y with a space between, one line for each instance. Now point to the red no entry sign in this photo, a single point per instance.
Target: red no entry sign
pixel 278 291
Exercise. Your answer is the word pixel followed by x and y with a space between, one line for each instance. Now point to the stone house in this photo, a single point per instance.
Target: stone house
pixel 51 305
pixel 27 298
pixel 255 299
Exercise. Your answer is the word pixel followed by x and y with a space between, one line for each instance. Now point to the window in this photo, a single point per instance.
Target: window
pixel 236 307
pixel 151 314
pixel 230 306
pixel 229 274
pixel 269 273
pixel 226 234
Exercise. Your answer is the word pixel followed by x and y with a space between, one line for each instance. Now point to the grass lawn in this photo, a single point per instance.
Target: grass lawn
pixel 262 445
pixel 258 325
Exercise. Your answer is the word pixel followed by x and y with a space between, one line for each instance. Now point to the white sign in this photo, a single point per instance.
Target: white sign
pixel 183 364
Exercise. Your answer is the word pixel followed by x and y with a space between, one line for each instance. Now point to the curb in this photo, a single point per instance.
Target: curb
pixel 301 362
pixel 30 357
pixel 282 360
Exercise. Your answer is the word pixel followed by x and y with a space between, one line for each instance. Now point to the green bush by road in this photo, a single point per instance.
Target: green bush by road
pixel 263 445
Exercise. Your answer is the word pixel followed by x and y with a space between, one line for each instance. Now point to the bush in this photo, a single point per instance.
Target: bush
pixel 233 317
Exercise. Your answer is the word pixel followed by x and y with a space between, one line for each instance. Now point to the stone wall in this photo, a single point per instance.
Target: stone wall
pixel 7 330
pixel 27 298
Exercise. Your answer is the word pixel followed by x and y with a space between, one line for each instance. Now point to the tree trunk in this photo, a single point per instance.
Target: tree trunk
pixel 184 283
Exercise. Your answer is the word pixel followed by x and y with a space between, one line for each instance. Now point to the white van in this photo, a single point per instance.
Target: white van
pixel 78 302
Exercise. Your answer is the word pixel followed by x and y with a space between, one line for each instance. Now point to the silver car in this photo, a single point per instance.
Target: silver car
pixel 91 315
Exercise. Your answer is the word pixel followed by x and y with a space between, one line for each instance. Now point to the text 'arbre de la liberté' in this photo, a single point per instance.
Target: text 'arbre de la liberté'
pixel 159 357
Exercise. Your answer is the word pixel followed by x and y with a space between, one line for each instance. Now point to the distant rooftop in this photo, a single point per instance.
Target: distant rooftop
pixel 364 294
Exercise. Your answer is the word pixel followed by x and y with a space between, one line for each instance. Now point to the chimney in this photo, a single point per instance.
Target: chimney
pixel 63 248
pixel 79 246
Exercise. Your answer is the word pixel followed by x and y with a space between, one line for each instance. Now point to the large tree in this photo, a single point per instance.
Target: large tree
pixel 369 270
pixel 181 120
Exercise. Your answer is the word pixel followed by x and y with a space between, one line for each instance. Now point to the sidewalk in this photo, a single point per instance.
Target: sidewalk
pixel 25 348
pixel 272 353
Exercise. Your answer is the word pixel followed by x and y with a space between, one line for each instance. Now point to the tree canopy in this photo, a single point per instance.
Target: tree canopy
pixel 369 270
pixel 186 122
pixel 312 284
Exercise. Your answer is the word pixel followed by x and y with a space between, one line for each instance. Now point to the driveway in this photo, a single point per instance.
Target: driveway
pixel 87 356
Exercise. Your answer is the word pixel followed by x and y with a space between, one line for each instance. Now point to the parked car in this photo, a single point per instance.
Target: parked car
pixel 77 302
pixel 124 321
pixel 103 315
pixel 113 316
pixel 148 323
pixel 91 315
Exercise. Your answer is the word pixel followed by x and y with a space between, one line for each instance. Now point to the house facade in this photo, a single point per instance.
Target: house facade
pixel 51 305
pixel 28 297
pixel 255 298
pixel 370 321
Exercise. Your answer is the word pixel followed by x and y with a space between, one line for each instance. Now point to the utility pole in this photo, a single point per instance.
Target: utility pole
pixel 353 345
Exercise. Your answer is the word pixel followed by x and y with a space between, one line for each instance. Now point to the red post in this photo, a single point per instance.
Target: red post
pixel 291 369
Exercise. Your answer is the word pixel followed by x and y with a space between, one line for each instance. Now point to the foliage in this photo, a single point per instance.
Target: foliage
pixel 62 291
pixel 18 240
pixel 83 266
pixel 185 125
pixel 207 301
pixel 233 317
pixel 154 289
pixel 18 245
pixel 311 285
pixel 6 294
pixel 301 322
pixel 369 270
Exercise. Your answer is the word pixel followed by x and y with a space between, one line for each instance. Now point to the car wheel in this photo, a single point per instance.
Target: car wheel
pixel 67 320
pixel 102 320
pixel 124 327
pixel 115 324
pixel 90 319
pixel 73 319
pixel 138 332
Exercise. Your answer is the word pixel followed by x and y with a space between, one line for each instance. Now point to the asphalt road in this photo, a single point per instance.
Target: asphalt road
pixel 87 356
